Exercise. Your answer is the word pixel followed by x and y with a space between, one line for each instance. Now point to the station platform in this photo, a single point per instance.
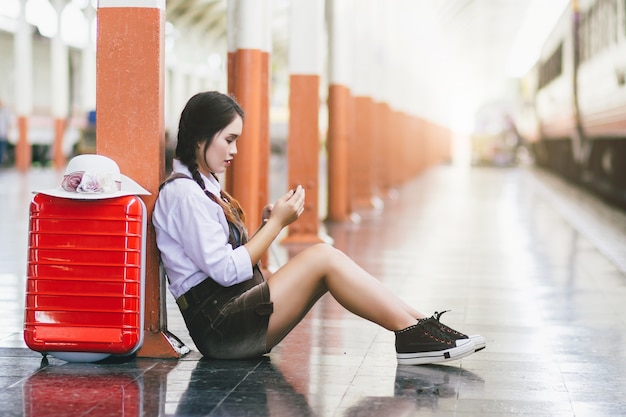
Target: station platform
pixel 535 265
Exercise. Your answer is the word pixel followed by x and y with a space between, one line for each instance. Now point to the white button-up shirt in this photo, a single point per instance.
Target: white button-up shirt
pixel 192 236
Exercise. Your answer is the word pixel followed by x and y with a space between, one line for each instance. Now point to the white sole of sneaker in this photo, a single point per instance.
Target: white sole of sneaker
pixel 479 342
pixel 464 347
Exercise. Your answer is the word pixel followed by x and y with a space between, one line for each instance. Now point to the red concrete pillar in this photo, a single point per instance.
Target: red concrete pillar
pixel 379 148
pixel 429 143
pixel 340 108
pixel 406 122
pixel 397 141
pixel 364 75
pixel 88 65
pixel 23 150
pixel 248 78
pixel 361 153
pixel 423 134
pixel 378 93
pixel 23 47
pixel 264 134
pixel 338 144
pixel 385 77
pixel 303 140
pixel 404 147
pixel 388 153
pixel 244 176
pixel 303 147
pixel 58 156
pixel 59 88
pixel 130 129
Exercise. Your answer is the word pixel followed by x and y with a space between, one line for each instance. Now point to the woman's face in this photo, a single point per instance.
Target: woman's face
pixel 222 149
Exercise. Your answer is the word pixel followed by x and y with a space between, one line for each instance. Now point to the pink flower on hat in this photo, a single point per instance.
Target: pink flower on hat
pixel 72 180
pixel 88 182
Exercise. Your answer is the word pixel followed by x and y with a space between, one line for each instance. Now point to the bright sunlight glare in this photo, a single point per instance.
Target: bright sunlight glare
pixel 540 19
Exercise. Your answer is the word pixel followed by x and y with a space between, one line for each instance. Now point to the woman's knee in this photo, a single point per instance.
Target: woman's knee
pixel 323 251
pixel 325 254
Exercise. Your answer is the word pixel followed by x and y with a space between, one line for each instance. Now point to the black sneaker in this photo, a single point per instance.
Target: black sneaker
pixel 434 322
pixel 421 344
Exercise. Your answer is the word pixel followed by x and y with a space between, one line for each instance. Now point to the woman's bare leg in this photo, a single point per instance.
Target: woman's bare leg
pixel 296 286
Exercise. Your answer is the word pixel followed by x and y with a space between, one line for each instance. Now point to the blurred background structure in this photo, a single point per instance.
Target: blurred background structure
pixel 449 52
pixel 492 77
pixel 441 60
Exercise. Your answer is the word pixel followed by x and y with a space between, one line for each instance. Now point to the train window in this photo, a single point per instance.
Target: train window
pixel 624 18
pixel 603 24
pixel 614 20
pixel 552 67
pixel 588 33
pixel 600 27
pixel 593 33
pixel 585 37
pixel 608 23
pixel 608 12
pixel 611 19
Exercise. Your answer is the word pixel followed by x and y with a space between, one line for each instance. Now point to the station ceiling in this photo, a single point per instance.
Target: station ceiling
pixel 484 28
pixel 209 17
pixel 479 35
pixel 205 16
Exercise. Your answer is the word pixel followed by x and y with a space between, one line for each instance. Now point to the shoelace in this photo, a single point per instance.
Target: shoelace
pixel 437 316
pixel 428 331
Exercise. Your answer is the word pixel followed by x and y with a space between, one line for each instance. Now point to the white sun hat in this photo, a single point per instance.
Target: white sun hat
pixel 94 177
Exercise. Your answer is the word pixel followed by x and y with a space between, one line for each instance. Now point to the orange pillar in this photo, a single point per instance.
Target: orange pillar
pixel 388 154
pixel 23 150
pixel 23 47
pixel 406 126
pixel 377 155
pixel 303 140
pixel 303 147
pixel 364 51
pixel 400 147
pixel 58 157
pixel 418 145
pixel 340 22
pixel 264 136
pixel 361 154
pixel 130 130
pixel 59 87
pixel 248 83
pixel 338 144
pixel 244 176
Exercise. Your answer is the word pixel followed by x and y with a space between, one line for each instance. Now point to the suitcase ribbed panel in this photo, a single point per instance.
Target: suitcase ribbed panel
pixel 84 289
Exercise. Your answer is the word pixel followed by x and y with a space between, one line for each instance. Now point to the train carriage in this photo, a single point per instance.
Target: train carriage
pixel 580 98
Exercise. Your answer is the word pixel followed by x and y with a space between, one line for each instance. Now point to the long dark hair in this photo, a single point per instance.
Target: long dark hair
pixel 205 115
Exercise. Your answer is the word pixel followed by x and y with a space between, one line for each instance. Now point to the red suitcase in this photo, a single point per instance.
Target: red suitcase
pixel 85 277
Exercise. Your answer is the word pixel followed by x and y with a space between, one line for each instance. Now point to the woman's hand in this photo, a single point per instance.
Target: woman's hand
pixel 288 208
pixel 285 211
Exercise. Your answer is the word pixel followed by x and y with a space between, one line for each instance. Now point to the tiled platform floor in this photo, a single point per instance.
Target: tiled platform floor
pixel 515 254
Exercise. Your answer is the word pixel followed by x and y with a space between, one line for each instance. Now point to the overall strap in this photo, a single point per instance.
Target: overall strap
pixel 173 177
pixel 236 236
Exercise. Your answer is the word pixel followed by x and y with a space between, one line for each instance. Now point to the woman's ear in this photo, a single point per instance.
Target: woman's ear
pixel 199 153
